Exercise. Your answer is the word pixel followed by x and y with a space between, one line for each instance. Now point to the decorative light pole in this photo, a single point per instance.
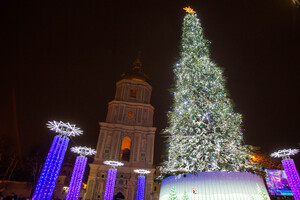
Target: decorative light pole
pixel 140 191
pixel 49 174
pixel 290 169
pixel 78 171
pixel 111 178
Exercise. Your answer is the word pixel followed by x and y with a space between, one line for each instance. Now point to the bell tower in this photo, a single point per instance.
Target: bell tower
pixel 128 136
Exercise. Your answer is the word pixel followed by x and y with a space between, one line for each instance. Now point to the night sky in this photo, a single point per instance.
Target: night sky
pixel 64 57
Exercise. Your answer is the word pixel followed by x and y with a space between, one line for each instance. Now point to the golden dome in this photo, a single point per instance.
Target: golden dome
pixel 136 73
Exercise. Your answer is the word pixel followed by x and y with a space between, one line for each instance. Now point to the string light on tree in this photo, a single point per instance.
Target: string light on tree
pixel 290 169
pixel 204 132
pixel 141 183
pixel 51 168
pixel 111 178
pixel 78 171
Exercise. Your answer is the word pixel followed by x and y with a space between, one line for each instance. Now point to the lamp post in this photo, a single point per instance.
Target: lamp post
pixel 111 178
pixel 290 169
pixel 78 171
pixel 51 168
pixel 140 191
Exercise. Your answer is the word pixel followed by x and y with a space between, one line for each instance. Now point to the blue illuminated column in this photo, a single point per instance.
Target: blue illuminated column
pixel 78 171
pixel 110 184
pixel 292 176
pixel 51 168
pixel 290 170
pixel 140 191
pixel 140 188
pixel 111 179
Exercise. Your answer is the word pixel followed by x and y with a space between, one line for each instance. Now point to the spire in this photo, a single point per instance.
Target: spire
pixel 137 64
pixel 136 71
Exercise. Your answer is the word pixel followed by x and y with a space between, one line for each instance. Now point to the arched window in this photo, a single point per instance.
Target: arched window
pixel 133 93
pixel 125 149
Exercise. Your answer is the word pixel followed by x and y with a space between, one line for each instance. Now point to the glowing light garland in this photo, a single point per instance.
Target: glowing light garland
pixel 49 174
pixel 140 192
pixel 47 180
pixel 290 169
pixel 204 131
pixel 78 171
pixel 111 179
pixel 141 183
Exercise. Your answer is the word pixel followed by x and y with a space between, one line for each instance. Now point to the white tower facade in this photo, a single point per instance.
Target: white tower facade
pixel 127 136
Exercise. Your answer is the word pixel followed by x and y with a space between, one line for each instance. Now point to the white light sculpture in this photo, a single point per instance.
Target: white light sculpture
pixel 51 168
pixel 83 151
pixel 290 169
pixel 140 191
pixel 78 171
pixel 285 153
pixel 111 178
pixel 65 129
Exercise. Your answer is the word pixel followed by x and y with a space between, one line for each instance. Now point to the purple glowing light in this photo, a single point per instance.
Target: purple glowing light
pixel 110 184
pixel 141 183
pixel 140 188
pixel 292 176
pixel 76 179
pixel 49 174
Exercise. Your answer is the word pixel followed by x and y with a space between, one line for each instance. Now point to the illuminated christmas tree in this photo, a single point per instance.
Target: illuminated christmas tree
pixel 204 132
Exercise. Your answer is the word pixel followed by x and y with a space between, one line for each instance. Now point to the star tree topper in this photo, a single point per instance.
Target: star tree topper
pixel 189 10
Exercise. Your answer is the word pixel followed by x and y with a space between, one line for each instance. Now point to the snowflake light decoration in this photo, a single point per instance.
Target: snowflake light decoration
pixel 83 151
pixel 113 163
pixel 141 171
pixel 65 129
pixel 284 153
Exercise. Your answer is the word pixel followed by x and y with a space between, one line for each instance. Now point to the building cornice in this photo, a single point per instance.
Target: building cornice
pixel 124 81
pixel 127 127
pixel 137 104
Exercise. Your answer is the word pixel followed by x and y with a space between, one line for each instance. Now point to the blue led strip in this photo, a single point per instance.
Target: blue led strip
pixel 76 179
pixel 140 188
pixel 80 176
pixel 110 184
pixel 42 179
pixel 56 168
pixel 48 177
pixel 73 180
pixel 292 176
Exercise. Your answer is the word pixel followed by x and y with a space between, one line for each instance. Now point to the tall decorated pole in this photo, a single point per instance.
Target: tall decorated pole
pixel 78 171
pixel 111 178
pixel 204 131
pixel 51 168
pixel 140 191
pixel 290 169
